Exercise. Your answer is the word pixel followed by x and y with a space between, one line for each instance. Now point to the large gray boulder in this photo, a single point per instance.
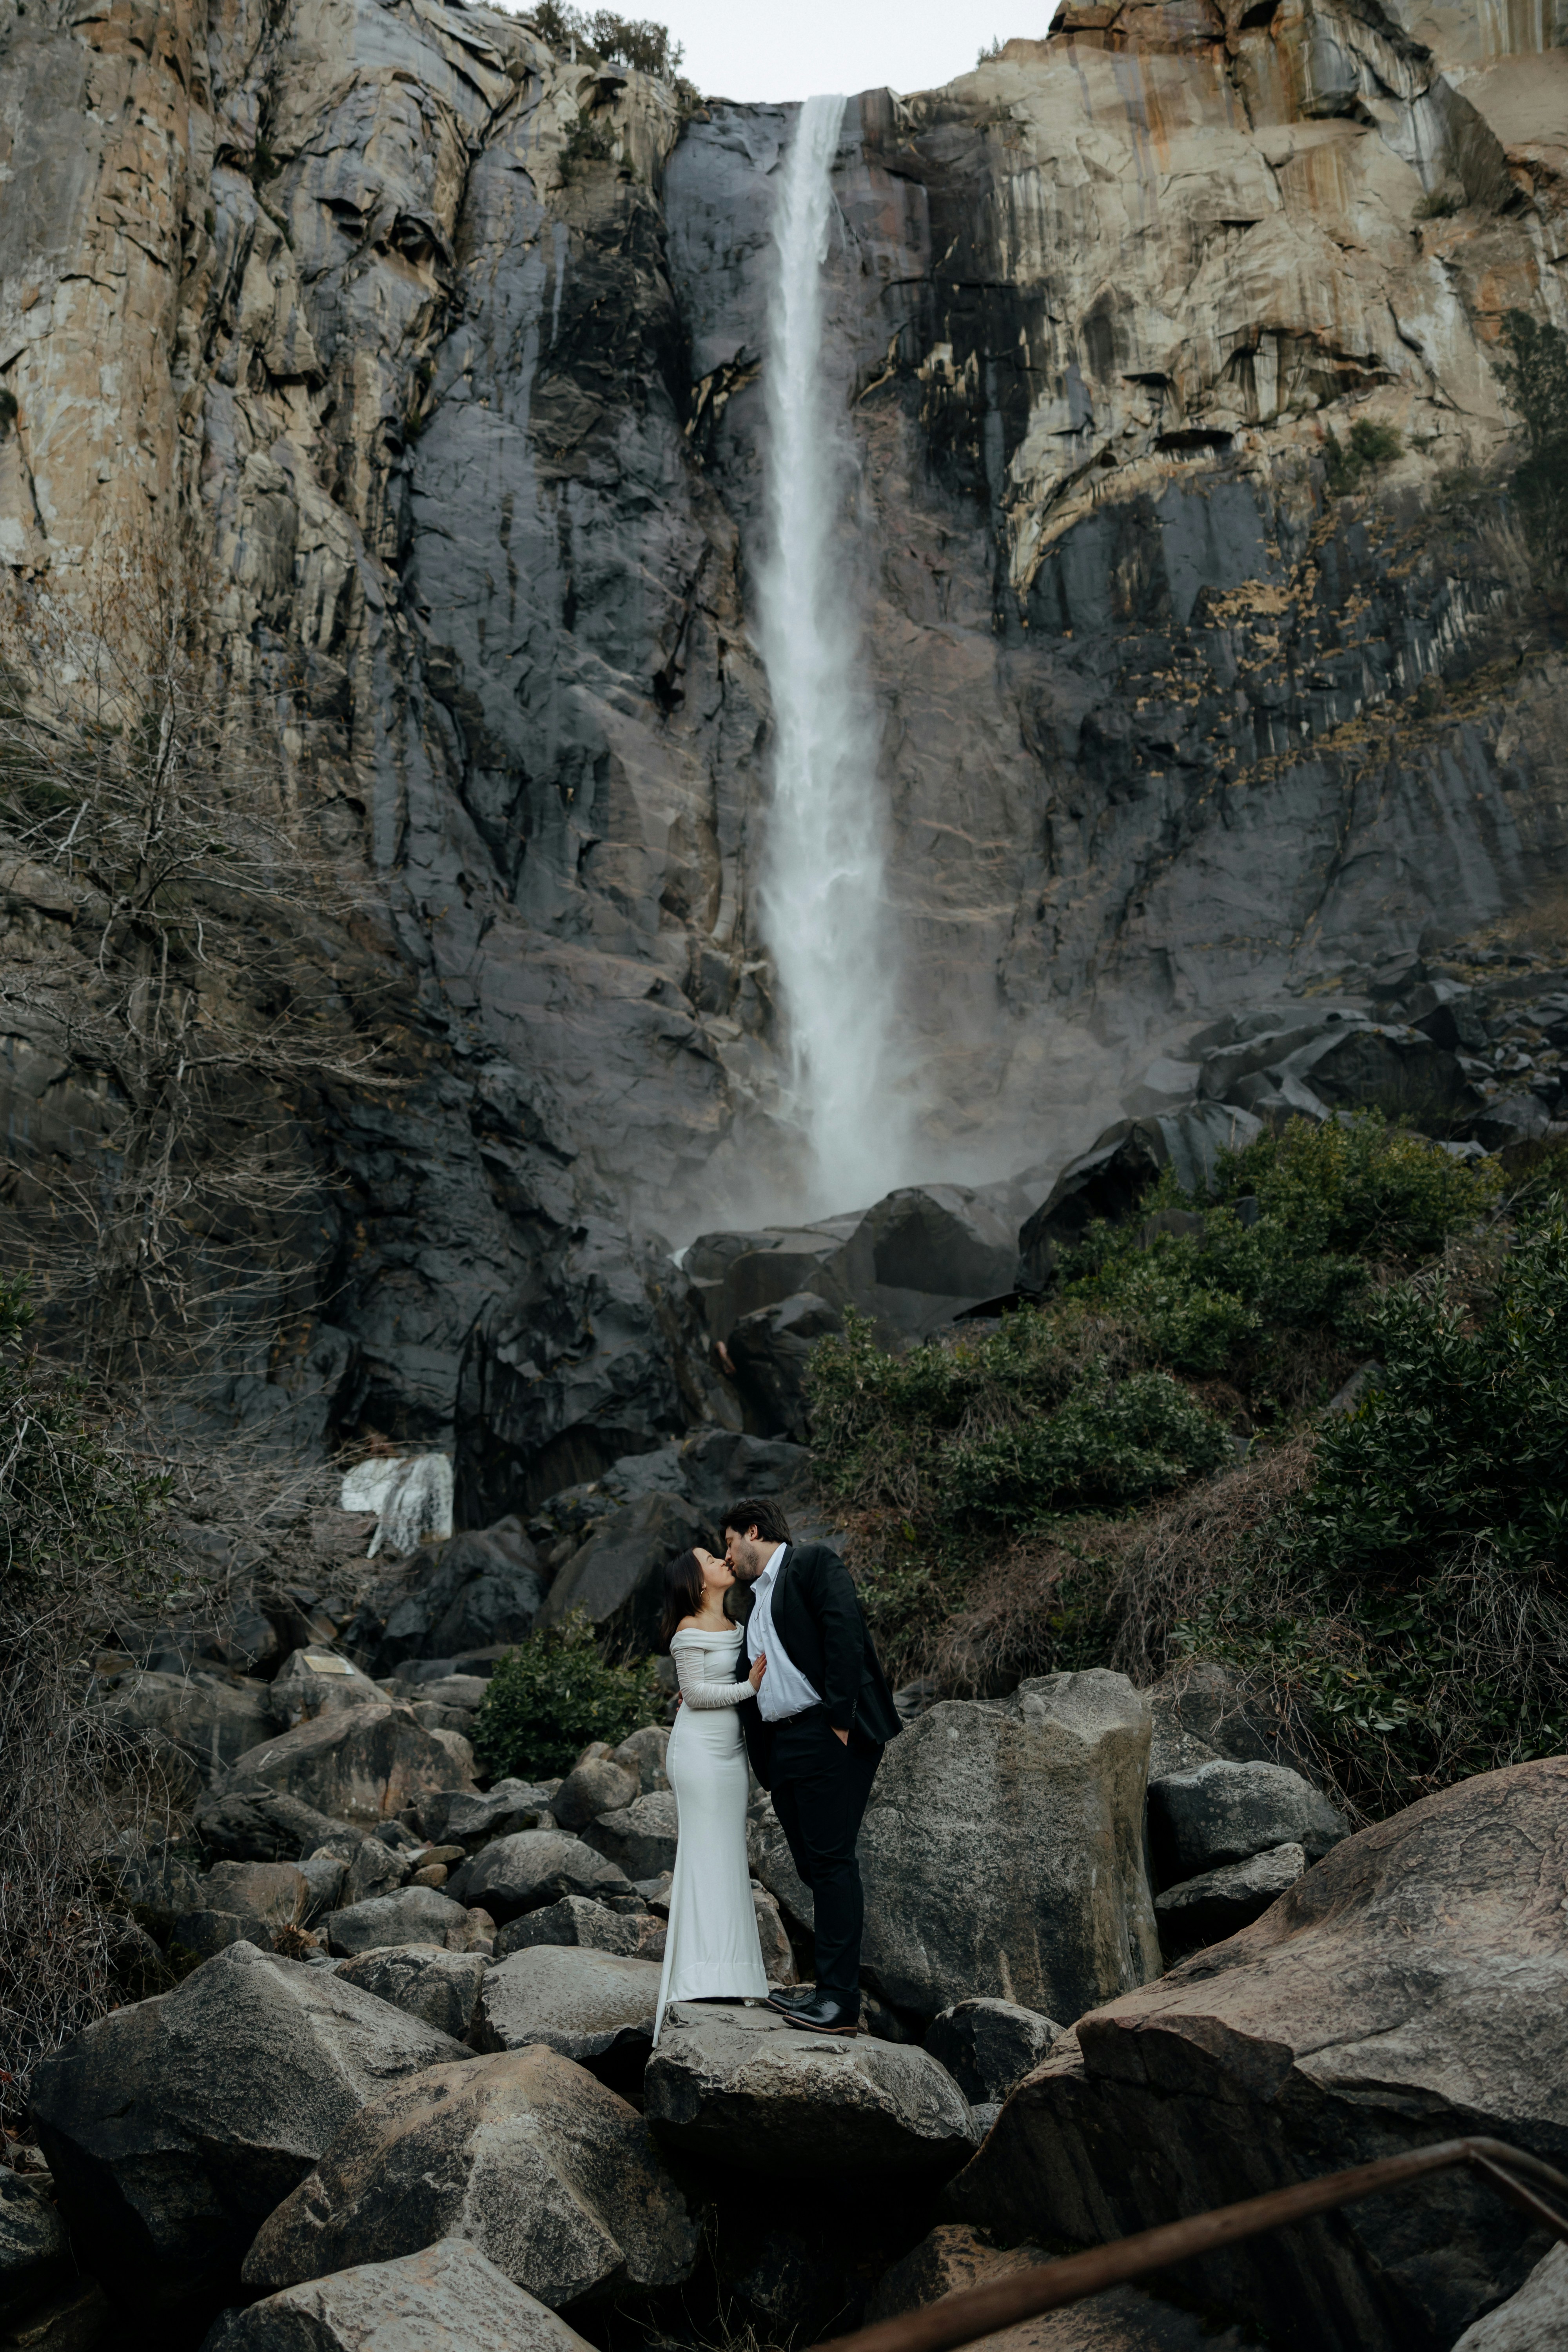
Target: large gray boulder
pixel 415 1915
pixel 555 2180
pixel 174 2127
pixel 1110 1180
pixel 592 2006
pixel 524 1871
pixel 1533 2320
pixel 438 1987
pixel 1002 1852
pixel 478 1589
pixel 598 1786
pixel 641 1838
pixel 617 1573
pixel 1204 1909
pixel 278 1892
pixel 593 1926
pixel 770 1350
pixel 213 1717
pixel 988 2045
pixel 1411 1988
pixel 738 2086
pixel 249 1822
pixel 466 1817
pixel 446 2298
pixel 358 1764
pixel 316 1681
pixel 642 1754
pixel 1223 1811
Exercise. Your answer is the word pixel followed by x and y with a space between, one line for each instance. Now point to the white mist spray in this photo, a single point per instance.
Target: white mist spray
pixel 823 884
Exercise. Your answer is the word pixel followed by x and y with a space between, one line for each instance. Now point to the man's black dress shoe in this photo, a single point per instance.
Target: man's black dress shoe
pixel 826 2013
pixel 787 1997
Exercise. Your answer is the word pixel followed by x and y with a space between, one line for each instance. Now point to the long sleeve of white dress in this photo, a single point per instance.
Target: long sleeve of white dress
pixel 698 1691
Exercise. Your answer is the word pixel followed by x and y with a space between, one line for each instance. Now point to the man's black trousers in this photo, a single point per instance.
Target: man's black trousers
pixel 820 1787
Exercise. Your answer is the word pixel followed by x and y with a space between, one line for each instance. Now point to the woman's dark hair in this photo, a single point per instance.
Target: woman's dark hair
pixel 682 1594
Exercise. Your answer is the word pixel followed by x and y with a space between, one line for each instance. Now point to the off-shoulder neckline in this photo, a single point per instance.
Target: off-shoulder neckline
pixel 731 1634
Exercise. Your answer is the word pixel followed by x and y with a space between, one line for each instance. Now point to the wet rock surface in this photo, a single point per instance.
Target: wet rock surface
pixel 555 2180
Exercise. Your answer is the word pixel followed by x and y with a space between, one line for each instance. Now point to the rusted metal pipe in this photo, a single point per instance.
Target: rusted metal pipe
pixel 980 2311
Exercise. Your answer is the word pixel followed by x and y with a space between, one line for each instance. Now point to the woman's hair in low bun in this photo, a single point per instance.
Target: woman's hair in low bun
pixel 682 1594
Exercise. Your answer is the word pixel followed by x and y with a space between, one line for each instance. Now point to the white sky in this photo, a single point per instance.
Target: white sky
pixel 798 48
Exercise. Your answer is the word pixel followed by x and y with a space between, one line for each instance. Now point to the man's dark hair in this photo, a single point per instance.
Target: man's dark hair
pixel 756 1511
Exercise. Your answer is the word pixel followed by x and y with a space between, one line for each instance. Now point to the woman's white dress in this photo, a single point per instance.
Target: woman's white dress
pixel 712 1948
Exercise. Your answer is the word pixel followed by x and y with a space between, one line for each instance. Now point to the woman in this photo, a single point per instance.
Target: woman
pixel 712 1951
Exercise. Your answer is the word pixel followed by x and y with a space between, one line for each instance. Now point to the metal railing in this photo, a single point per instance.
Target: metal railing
pixel 979 2310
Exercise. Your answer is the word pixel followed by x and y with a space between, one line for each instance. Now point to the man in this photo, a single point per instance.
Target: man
pixel 824 1714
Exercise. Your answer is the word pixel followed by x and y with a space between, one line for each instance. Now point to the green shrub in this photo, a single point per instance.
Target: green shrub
pixel 1108 1444
pixel 1440 203
pixel 1370 447
pixel 552 1694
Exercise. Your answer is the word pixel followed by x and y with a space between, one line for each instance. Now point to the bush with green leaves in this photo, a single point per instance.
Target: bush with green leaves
pixel 1370 447
pixel 552 1694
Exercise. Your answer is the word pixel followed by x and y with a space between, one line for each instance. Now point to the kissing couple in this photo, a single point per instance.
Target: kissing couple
pixel 795 1686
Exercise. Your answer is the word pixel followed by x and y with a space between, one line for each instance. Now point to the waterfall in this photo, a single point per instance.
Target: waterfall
pixel 823 885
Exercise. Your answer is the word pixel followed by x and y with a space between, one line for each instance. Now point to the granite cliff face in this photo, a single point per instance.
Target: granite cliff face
pixel 450 347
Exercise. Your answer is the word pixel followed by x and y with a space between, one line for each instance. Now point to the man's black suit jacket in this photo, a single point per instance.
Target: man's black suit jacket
pixel 817 1616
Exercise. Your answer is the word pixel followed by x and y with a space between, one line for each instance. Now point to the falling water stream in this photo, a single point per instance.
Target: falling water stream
pixel 824 882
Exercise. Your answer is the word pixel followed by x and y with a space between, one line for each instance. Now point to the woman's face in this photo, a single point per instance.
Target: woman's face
pixel 717 1574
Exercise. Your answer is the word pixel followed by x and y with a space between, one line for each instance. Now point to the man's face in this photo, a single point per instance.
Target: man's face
pixel 746 1554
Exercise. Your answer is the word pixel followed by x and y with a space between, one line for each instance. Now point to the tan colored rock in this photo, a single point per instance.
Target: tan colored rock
pixel 1123 2319
pixel 1411 1987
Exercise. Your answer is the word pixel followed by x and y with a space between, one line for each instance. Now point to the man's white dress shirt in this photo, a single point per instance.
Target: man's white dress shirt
pixel 784 1690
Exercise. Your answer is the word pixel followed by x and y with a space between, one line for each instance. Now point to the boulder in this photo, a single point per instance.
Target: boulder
pixel 213 1717
pixel 313 1682
pixel 1204 1909
pixel 1002 1851
pixel 575 1921
pixel 77 2318
pixel 1512 1119
pixel 642 1754
pixel 277 1892
pixel 1122 2319
pixel 1202 1710
pixel 718 1465
pixel 1411 1988
pixel 200 1933
pixel 34 2252
pixel 472 1592
pixel 551 2175
pixel 415 1915
pixel 172 2129
pixel 989 2046
pixel 524 1871
pixel 358 1763
pixel 463 1693
pixel 158 1886
pixel 1533 2320
pixel 598 1787
pixel 592 2006
pixel 250 1821
pixel 464 1817
pixel 444 2298
pixel 440 1988
pixel 324 1875
pixel 1224 1812
pixel 778 1954
pixel 620 1567
pixel 739 2087
pixel 640 1840
pixel 375 1868
pixel 771 1350
pixel 1110 1180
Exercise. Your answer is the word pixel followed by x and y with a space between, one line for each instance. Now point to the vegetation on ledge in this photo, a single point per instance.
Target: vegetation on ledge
pixel 1138 1468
